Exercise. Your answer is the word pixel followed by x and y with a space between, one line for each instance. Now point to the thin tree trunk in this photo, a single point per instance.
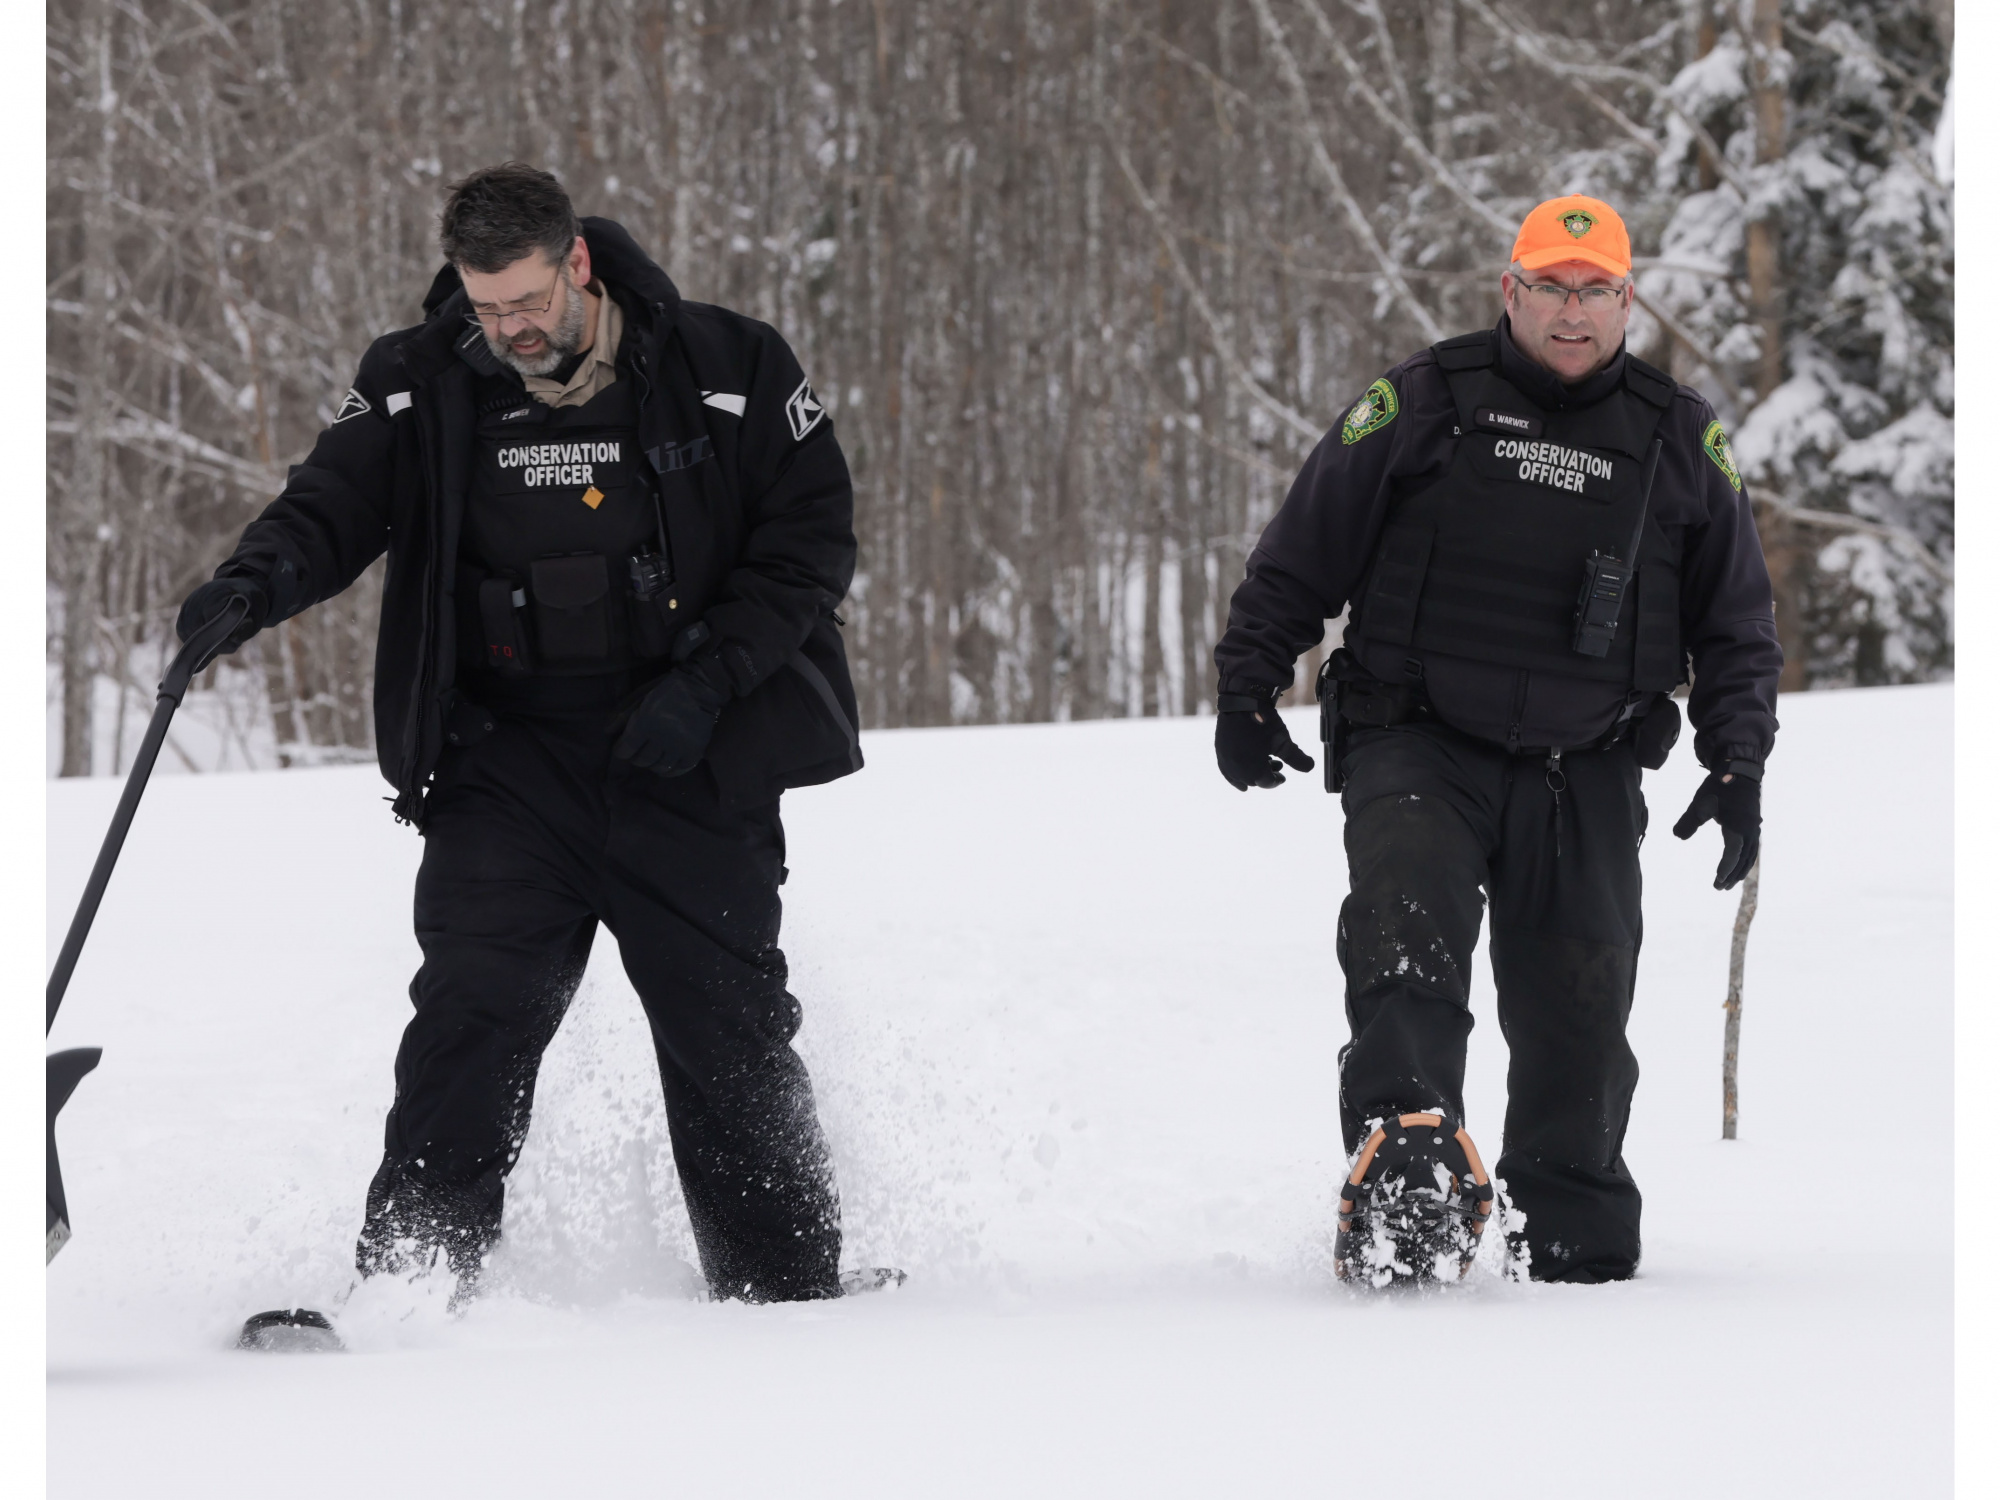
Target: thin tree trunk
pixel 1441 36
pixel 1762 248
pixel 80 508
pixel 1732 1008
pixel 1707 172
pixel 1762 255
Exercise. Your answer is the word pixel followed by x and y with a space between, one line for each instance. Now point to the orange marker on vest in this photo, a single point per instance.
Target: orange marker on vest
pixel 593 497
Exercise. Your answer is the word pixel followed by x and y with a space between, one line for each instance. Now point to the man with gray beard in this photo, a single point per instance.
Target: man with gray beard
pixel 618 526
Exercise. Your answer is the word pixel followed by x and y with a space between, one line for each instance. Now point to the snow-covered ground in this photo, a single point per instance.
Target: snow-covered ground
pixel 1072 1009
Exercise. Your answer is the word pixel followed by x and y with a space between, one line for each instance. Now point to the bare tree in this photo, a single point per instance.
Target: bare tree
pixel 1081 286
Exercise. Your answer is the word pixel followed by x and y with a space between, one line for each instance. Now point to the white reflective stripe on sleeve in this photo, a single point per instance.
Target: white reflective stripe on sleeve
pixel 732 404
pixel 397 401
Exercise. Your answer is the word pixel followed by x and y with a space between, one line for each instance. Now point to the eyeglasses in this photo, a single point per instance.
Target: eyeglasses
pixel 1552 298
pixel 499 315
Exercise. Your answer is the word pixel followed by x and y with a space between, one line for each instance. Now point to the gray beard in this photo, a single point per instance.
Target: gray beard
pixel 563 341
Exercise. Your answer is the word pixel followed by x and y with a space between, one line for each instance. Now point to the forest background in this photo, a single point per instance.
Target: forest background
pixel 1081 284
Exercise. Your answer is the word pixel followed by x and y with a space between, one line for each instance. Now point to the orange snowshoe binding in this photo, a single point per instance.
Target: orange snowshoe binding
pixel 1414 1205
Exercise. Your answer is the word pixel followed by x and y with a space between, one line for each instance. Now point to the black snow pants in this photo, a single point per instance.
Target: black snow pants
pixel 534 836
pixel 1433 818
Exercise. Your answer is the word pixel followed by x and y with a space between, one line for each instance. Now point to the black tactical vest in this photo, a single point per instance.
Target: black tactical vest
pixel 562 553
pixel 1489 562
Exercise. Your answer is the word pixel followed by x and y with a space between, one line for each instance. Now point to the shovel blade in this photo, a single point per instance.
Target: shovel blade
pixel 290 1330
pixel 66 1070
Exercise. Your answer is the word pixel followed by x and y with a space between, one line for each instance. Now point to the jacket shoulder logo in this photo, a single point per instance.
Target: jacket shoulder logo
pixel 1376 409
pixel 1579 223
pixel 351 405
pixel 1715 443
pixel 803 411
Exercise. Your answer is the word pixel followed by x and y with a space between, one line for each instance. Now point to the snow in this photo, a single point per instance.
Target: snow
pixel 1913 453
pixel 1942 160
pixel 1714 81
pixel 1795 419
pixel 1072 1012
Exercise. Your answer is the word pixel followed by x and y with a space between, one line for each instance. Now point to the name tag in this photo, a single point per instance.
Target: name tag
pixel 1506 421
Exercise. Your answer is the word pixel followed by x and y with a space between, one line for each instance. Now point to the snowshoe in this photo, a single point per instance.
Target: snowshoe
pixel 869 1279
pixel 1414 1204
pixel 290 1330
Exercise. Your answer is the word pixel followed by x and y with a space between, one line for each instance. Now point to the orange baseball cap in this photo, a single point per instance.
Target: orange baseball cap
pixel 1574 228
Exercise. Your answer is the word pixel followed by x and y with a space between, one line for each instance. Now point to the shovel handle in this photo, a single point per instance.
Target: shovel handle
pixel 201 648
pixel 198 652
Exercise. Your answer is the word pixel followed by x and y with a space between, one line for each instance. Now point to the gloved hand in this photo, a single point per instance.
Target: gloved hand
pixel 1248 732
pixel 1735 802
pixel 668 732
pixel 208 601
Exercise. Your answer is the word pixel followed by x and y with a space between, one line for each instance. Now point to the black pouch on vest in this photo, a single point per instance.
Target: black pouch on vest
pixel 571 596
pixel 1654 736
pixel 500 605
pixel 1364 699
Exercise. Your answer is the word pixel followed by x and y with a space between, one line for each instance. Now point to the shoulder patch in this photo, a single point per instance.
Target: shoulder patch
pixel 1376 409
pixel 353 404
pixel 1715 443
pixel 803 411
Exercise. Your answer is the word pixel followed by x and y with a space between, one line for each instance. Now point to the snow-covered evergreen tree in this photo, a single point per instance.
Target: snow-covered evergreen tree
pixel 1810 257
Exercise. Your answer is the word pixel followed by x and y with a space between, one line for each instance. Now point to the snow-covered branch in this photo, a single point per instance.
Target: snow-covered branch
pixel 1541 50
pixel 1909 544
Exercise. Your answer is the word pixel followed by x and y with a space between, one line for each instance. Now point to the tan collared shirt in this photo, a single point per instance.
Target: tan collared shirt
pixel 600 363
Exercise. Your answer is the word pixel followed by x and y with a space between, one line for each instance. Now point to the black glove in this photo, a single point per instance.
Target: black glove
pixel 669 730
pixel 1248 732
pixel 1734 799
pixel 208 601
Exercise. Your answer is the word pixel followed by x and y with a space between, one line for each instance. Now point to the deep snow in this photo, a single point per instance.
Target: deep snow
pixel 1072 1010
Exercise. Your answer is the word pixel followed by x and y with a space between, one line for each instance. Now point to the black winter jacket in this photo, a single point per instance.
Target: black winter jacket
pixel 758 506
pixel 1311 558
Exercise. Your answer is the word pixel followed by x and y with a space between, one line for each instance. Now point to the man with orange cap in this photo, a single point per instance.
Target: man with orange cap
pixel 1534 534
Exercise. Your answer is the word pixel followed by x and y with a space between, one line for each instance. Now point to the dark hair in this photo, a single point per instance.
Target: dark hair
pixel 499 214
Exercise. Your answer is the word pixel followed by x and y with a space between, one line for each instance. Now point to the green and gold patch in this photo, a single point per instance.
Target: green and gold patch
pixel 1715 443
pixel 1579 223
pixel 1376 408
